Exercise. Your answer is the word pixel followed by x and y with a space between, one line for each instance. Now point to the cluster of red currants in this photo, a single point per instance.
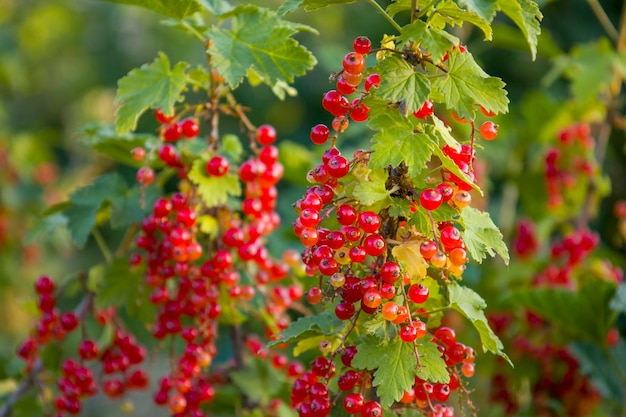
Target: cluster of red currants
pixel 349 248
pixel 120 370
pixel 569 163
pixel 194 277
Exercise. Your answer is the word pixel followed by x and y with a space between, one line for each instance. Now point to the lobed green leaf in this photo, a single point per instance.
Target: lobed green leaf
pixel 481 236
pixel 448 12
pixel 467 302
pixel 305 327
pixel 177 9
pixel 153 85
pixel 258 40
pixel 465 86
pixel 527 17
pixel 569 310
pixel 402 83
pixel 214 191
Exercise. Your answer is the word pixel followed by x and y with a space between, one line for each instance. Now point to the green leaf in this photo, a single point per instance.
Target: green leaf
pixel 86 201
pixel 379 327
pixel 153 85
pixel 596 363
pixel 258 39
pixel 104 139
pixel 132 205
pixel 618 303
pixel 372 190
pixel 482 236
pixel 45 225
pixel 443 132
pixel 292 5
pixel 178 9
pixel 449 164
pixel 467 302
pixel 402 84
pixel 396 365
pixel 433 368
pixel 569 310
pixel 591 69
pixel 434 41
pixel 232 147
pixel 466 85
pixel 527 16
pixel 447 12
pixel 215 7
pixel 305 327
pixel 486 9
pixel 123 287
pixel 213 190
pixel 258 374
pixel 396 142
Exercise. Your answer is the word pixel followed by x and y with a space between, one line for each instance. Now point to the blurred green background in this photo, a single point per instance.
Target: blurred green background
pixel 60 61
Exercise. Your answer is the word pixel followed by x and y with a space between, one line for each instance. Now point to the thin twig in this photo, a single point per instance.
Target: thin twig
pixel 606 23
pixel 385 15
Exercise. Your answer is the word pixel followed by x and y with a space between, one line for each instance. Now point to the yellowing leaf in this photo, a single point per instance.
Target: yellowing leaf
pixel 408 254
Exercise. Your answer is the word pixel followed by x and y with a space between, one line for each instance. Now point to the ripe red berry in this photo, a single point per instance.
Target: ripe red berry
pixel 173 133
pixel 369 221
pixel 353 403
pixel 373 80
pixel 88 349
pixel 408 333
pixel 346 88
pixel 362 45
pixel 374 245
pixel 162 117
pixel 431 199
pixel 145 175
pixel 353 63
pixel 266 134
pixel 372 409
pixel 489 130
pixel 319 134
pixel 425 111
pixel 44 285
pixel 450 238
pixel 360 111
pixel 335 103
pixel 338 166
pixel 344 310
pixel 190 128
pixel 418 293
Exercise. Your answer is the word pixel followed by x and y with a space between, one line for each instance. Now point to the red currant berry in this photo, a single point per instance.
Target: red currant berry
pixel 173 133
pixel 88 349
pixel 369 221
pixel 418 293
pixel 190 128
pixel 362 45
pixel 430 199
pixel 408 333
pixel 344 87
pixel 162 117
pixel 266 134
pixel 372 80
pixel 374 245
pixel 353 403
pixel 425 111
pixel 372 409
pixel 489 130
pixel 319 134
pixel 353 63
